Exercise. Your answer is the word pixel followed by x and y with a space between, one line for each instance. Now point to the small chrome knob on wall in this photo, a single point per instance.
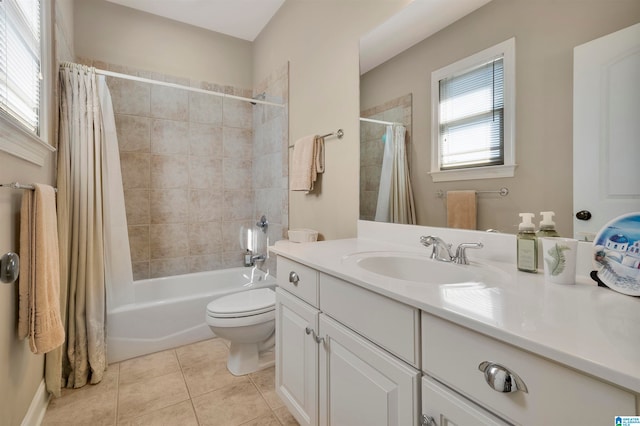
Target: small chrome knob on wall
pixel 501 379
pixel 9 267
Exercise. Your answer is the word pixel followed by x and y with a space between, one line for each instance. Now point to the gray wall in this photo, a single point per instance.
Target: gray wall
pixel 546 32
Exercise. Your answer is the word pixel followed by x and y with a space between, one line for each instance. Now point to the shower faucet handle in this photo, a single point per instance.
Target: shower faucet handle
pixel 263 223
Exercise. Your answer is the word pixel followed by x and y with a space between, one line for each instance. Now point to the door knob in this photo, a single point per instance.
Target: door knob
pixel 293 278
pixel 583 215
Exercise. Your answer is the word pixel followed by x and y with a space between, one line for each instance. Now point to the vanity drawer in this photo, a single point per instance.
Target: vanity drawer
pixel 556 394
pixel 388 323
pixel 298 279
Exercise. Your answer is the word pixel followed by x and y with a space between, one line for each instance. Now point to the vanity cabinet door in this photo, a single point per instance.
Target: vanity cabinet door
pixel 443 407
pixel 360 384
pixel 297 357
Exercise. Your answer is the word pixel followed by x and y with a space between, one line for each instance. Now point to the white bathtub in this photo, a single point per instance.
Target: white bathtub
pixel 170 311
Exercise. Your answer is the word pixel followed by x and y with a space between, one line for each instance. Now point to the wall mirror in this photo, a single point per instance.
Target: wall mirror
pixel 398 57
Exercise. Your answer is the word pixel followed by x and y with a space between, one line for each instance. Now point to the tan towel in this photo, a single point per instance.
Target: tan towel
pixel 461 209
pixel 307 162
pixel 39 285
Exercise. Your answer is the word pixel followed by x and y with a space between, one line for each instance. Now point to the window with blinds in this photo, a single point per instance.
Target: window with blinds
pixel 20 58
pixel 471 117
pixel 473 102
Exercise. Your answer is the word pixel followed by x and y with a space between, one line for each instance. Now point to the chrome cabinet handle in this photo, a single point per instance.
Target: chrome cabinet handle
pixel 427 421
pixel 293 278
pixel 501 379
pixel 317 338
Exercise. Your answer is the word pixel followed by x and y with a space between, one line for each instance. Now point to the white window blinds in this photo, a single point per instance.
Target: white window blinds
pixel 471 132
pixel 20 56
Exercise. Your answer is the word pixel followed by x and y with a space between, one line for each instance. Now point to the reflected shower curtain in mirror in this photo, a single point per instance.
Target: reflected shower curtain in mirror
pixel 81 185
pixel 395 196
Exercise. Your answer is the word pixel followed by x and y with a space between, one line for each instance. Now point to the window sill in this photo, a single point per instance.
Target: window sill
pixel 16 141
pixel 488 172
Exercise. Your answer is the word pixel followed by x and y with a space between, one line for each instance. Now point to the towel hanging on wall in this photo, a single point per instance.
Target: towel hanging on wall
pixel 462 209
pixel 39 317
pixel 307 162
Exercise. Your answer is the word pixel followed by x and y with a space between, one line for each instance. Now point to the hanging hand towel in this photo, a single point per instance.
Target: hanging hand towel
pixel 307 162
pixel 461 209
pixel 39 316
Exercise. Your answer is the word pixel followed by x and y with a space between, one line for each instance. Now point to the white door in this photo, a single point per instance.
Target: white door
pixel 606 129
pixel 443 407
pixel 360 384
pixel 297 357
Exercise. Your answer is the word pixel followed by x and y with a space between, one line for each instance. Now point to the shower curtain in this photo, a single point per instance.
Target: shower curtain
pixel 395 196
pixel 84 187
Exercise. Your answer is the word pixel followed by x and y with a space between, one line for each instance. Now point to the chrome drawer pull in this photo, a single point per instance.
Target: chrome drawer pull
pixel 293 278
pixel 427 421
pixel 500 379
pixel 317 338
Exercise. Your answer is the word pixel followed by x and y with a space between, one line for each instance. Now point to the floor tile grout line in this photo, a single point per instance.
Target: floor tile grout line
pixel 193 407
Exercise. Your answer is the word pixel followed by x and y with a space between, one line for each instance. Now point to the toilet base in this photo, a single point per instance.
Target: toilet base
pixel 245 358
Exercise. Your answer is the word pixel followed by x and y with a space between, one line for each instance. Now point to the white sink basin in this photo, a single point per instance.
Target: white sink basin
pixel 418 268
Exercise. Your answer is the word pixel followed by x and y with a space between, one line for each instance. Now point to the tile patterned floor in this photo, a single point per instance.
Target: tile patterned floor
pixel 186 386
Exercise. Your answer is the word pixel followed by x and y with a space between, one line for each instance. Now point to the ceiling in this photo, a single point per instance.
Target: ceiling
pixel 238 18
pixel 245 19
pixel 415 22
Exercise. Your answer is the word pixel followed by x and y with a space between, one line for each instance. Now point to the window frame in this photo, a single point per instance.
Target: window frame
pixel 15 138
pixel 506 50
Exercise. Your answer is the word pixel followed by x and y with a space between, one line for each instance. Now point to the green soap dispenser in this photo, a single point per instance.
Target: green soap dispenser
pixel 527 244
pixel 547 225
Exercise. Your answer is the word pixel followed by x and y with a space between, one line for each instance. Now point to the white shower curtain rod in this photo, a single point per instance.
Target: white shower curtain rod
pixel 389 123
pixel 176 86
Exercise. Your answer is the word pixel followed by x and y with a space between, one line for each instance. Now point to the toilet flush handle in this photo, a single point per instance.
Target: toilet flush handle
pixel 293 278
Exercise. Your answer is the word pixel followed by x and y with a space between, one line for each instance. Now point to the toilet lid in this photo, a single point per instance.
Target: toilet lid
pixel 244 303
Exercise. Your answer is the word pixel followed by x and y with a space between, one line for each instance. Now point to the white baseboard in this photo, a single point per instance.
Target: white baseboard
pixel 38 407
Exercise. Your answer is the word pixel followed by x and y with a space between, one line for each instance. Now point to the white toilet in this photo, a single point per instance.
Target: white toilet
pixel 248 320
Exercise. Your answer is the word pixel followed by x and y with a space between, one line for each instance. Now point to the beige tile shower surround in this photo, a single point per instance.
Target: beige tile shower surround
pixel 197 169
pixel 189 385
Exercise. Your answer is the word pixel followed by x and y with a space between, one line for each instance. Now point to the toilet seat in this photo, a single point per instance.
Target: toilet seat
pixel 243 304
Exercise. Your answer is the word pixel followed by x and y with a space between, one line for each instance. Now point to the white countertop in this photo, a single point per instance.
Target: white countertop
pixel 591 329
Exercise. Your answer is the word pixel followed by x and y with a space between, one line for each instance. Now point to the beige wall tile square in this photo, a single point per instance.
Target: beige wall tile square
pixel 136 203
pixel 205 205
pixel 135 168
pixel 134 133
pixel 169 137
pixel 205 238
pixel 167 267
pixel 237 174
pixel 205 140
pixel 140 270
pixel 234 235
pixel 238 205
pixel 209 262
pixel 169 103
pixel 205 108
pixel 236 113
pixel 139 242
pixel 130 97
pixel 169 206
pixel 169 171
pixel 233 259
pixel 238 143
pixel 205 172
pixel 169 241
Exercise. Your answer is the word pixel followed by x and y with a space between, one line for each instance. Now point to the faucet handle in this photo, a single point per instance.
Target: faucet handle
pixel 461 254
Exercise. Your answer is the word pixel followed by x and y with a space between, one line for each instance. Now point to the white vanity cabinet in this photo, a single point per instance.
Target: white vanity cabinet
pixel 329 371
pixel 550 393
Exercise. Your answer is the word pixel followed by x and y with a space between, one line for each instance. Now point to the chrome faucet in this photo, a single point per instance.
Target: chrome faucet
pixel 257 258
pixel 442 251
